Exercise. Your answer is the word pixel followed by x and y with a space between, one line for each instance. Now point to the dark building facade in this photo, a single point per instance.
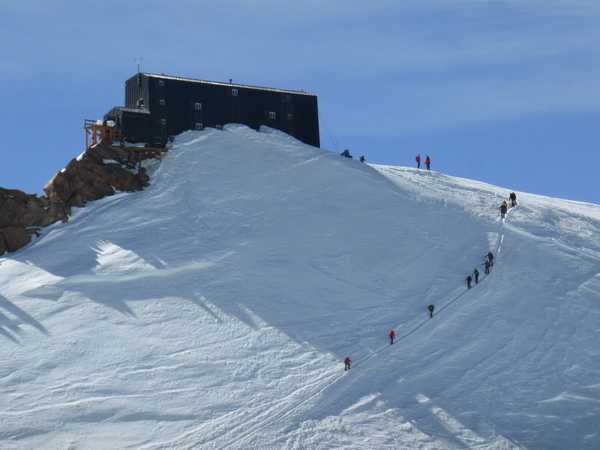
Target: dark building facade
pixel 159 106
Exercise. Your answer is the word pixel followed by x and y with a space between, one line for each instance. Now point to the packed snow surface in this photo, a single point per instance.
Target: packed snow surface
pixel 214 310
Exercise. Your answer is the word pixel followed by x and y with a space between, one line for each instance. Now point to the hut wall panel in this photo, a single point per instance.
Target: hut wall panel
pixel 171 104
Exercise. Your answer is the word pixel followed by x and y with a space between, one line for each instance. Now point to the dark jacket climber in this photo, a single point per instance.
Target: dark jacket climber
pixel 347 363
pixel 346 154
pixel 476 275
pixel 363 159
pixel 513 199
pixel 431 308
pixel 428 162
pixel 392 335
pixel 418 160
pixel 490 258
pixel 486 266
pixel 469 279
pixel 503 209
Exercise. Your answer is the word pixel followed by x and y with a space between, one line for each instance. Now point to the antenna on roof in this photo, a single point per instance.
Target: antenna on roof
pixel 139 60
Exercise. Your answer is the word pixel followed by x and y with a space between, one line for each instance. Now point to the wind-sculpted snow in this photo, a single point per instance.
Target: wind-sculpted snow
pixel 215 308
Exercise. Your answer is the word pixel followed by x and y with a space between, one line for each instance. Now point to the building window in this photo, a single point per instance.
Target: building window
pixel 163 121
pixel 197 106
pixel 199 126
pixel 272 115
pixel 162 102
pixel 234 92
pixel 161 83
pixel 140 102
pixel 290 116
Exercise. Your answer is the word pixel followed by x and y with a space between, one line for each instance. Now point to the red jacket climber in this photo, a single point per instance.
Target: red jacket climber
pixel 392 335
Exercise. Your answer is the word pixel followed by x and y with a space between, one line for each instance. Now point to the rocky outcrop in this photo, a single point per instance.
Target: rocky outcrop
pixel 21 216
pixel 97 173
pixel 15 237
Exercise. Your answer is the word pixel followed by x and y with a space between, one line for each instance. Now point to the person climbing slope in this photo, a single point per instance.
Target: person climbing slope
pixel 418 159
pixel 486 267
pixel 392 335
pixel 347 363
pixel 513 199
pixel 428 162
pixel 503 209
pixel 490 258
pixel 469 280
pixel 430 309
pixel 476 275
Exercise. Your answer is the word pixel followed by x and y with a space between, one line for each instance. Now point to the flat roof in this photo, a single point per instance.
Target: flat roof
pixel 220 83
pixel 134 110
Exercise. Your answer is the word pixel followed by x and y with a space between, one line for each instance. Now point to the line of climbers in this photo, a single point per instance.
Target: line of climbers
pixel 427 161
pixel 346 154
pixel 504 205
pixel 488 263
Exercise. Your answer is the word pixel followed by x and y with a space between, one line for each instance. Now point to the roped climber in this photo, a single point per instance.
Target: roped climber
pixel 503 209
pixel 490 258
pixel 347 363
pixel 392 336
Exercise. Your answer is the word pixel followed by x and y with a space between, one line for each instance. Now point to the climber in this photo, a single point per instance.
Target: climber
pixel 469 279
pixel 363 159
pixel 486 267
pixel 418 159
pixel 392 335
pixel 431 308
pixel 490 258
pixel 428 162
pixel 476 275
pixel 346 154
pixel 503 209
pixel 513 199
pixel 347 363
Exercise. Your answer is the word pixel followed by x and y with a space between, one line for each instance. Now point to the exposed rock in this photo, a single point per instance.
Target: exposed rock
pixel 84 179
pixel 14 237
pixel 21 209
pixel 89 178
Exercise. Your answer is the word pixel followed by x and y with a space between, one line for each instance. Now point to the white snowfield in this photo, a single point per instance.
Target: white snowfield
pixel 214 311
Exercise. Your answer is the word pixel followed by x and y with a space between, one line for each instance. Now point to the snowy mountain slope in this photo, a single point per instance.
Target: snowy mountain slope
pixel 213 310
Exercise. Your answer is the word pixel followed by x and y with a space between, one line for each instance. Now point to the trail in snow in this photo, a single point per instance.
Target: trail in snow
pixel 466 436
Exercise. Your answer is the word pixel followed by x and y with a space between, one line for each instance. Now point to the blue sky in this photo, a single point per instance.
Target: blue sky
pixel 504 91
